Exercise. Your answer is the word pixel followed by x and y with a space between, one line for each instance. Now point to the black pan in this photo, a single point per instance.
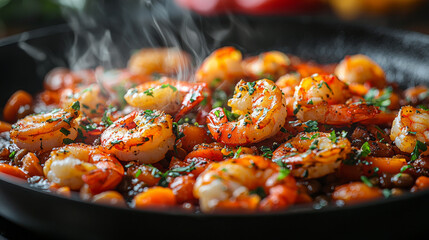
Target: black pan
pixel 402 54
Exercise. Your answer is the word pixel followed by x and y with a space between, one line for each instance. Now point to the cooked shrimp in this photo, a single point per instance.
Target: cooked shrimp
pixel 76 164
pixel 159 60
pixel 168 95
pixel 46 130
pixel 287 83
pixel 92 101
pixel 360 69
pixel 313 155
pixel 233 185
pixel 417 94
pixel 145 136
pixel 223 65
pixel 410 125
pixel 60 78
pixel 323 98
pixel 261 110
pixel 272 64
pixel 155 96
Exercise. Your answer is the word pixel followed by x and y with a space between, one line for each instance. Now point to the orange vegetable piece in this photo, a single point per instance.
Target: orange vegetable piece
pixel 31 164
pixel 13 171
pixel 155 197
pixel 356 192
pixel 422 182
pixel 384 165
pixel 18 99
pixel 193 135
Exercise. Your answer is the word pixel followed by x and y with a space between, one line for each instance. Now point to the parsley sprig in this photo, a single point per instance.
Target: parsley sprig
pixel 382 101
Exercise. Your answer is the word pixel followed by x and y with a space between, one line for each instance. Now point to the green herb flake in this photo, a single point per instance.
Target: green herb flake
pixel 149 92
pixel 114 142
pixel 283 173
pixel 65 131
pixel 230 115
pixel 333 137
pixel 267 152
pixel 76 106
pixel 170 86
pixel 238 153
pixel 138 173
pixel 365 150
pixel 12 155
pixel 251 86
pixel 382 101
pixel 296 110
pixel 259 191
pixel 418 149
pixel 67 141
pixel 366 181
pixel 311 126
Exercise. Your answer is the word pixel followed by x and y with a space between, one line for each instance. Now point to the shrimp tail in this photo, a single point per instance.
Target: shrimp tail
pixel 192 99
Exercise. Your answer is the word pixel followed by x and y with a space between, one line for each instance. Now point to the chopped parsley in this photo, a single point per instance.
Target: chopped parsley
pixel 259 191
pixel 267 152
pixel 65 131
pixel 67 141
pixel 230 115
pixel 296 110
pixel 311 126
pixel 251 86
pixel 170 86
pixel 174 172
pixel 115 142
pixel 138 173
pixel 366 181
pixel 76 106
pixel 419 148
pixel 382 101
pixel 365 150
pixel 333 137
pixel 149 92
pixel 238 153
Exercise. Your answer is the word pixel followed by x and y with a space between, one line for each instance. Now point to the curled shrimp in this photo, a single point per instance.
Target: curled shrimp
pixel 272 64
pixel 234 184
pixel 287 83
pixel 92 101
pixel 261 110
pixel 416 95
pixel 410 125
pixel 313 155
pixel 159 60
pixel 45 131
pixel 323 98
pixel 362 70
pixel 223 65
pixel 76 164
pixel 168 95
pixel 144 135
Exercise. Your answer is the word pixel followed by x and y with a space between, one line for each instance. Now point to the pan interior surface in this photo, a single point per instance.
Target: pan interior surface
pixel 401 54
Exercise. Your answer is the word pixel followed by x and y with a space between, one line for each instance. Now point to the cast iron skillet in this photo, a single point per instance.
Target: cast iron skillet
pixel 401 54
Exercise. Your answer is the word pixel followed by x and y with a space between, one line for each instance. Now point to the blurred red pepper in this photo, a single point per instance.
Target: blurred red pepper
pixel 256 7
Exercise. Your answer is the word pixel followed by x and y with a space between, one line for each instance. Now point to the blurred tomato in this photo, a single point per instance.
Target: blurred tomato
pixel 250 6
pixel 208 6
pixel 276 6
